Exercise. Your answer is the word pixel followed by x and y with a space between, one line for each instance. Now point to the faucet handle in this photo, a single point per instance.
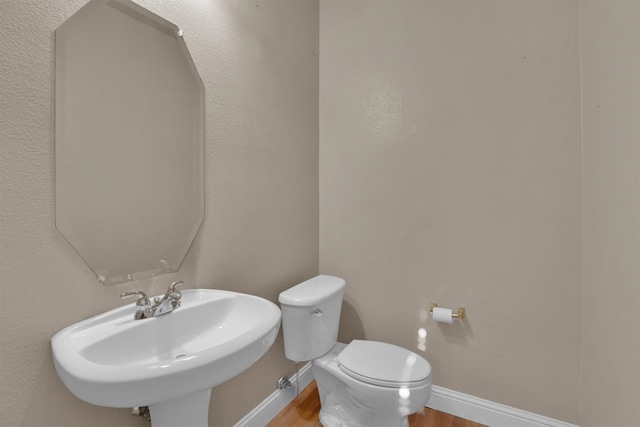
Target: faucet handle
pixel 174 285
pixel 143 300
pixel 143 305
pixel 172 292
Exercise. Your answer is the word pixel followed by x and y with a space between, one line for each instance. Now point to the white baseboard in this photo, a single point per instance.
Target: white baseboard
pixel 262 414
pixel 486 412
pixel 452 402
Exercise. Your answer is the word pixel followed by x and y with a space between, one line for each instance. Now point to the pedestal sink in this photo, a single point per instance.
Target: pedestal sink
pixel 170 362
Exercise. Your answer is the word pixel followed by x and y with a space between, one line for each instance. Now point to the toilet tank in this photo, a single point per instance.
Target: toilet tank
pixel 310 317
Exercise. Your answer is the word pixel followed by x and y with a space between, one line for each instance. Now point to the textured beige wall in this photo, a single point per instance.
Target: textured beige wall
pixel 610 389
pixel 259 62
pixel 450 173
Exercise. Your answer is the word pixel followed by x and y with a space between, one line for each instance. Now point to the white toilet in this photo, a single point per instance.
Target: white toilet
pixel 362 384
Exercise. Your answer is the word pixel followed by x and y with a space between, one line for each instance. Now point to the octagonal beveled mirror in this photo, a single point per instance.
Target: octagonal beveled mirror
pixel 129 141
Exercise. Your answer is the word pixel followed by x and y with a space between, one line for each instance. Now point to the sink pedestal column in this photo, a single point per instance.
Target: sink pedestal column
pixel 191 410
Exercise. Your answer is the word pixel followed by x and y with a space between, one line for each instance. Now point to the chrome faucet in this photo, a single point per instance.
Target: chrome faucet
pixel 144 309
pixel 169 302
pixel 143 305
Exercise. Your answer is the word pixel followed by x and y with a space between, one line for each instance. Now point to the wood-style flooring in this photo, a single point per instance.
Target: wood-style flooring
pixel 303 412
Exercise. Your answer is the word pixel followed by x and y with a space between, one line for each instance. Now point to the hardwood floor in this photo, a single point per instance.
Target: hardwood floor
pixel 303 412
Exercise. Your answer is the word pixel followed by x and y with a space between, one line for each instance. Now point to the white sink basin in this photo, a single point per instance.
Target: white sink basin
pixel 116 361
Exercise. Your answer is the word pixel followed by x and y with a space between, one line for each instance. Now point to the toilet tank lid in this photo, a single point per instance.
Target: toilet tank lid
pixel 312 291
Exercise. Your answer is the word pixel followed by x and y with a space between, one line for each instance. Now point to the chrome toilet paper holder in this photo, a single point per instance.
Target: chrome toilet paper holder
pixel 459 313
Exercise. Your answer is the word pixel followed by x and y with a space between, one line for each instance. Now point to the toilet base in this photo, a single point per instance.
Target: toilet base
pixel 346 402
pixel 329 420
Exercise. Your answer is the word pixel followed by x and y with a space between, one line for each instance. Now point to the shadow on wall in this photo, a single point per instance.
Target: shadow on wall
pixel 457 333
pixel 52 391
pixel 350 324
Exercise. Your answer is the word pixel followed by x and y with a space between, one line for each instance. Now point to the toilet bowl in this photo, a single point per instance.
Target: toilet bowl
pixel 349 399
pixel 364 383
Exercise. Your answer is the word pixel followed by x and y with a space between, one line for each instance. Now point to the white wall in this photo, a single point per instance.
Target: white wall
pixel 259 63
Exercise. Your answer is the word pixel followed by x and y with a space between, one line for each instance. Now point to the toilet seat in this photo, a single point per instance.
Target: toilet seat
pixel 384 364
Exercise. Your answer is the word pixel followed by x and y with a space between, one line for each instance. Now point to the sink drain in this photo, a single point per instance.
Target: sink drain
pixel 180 355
